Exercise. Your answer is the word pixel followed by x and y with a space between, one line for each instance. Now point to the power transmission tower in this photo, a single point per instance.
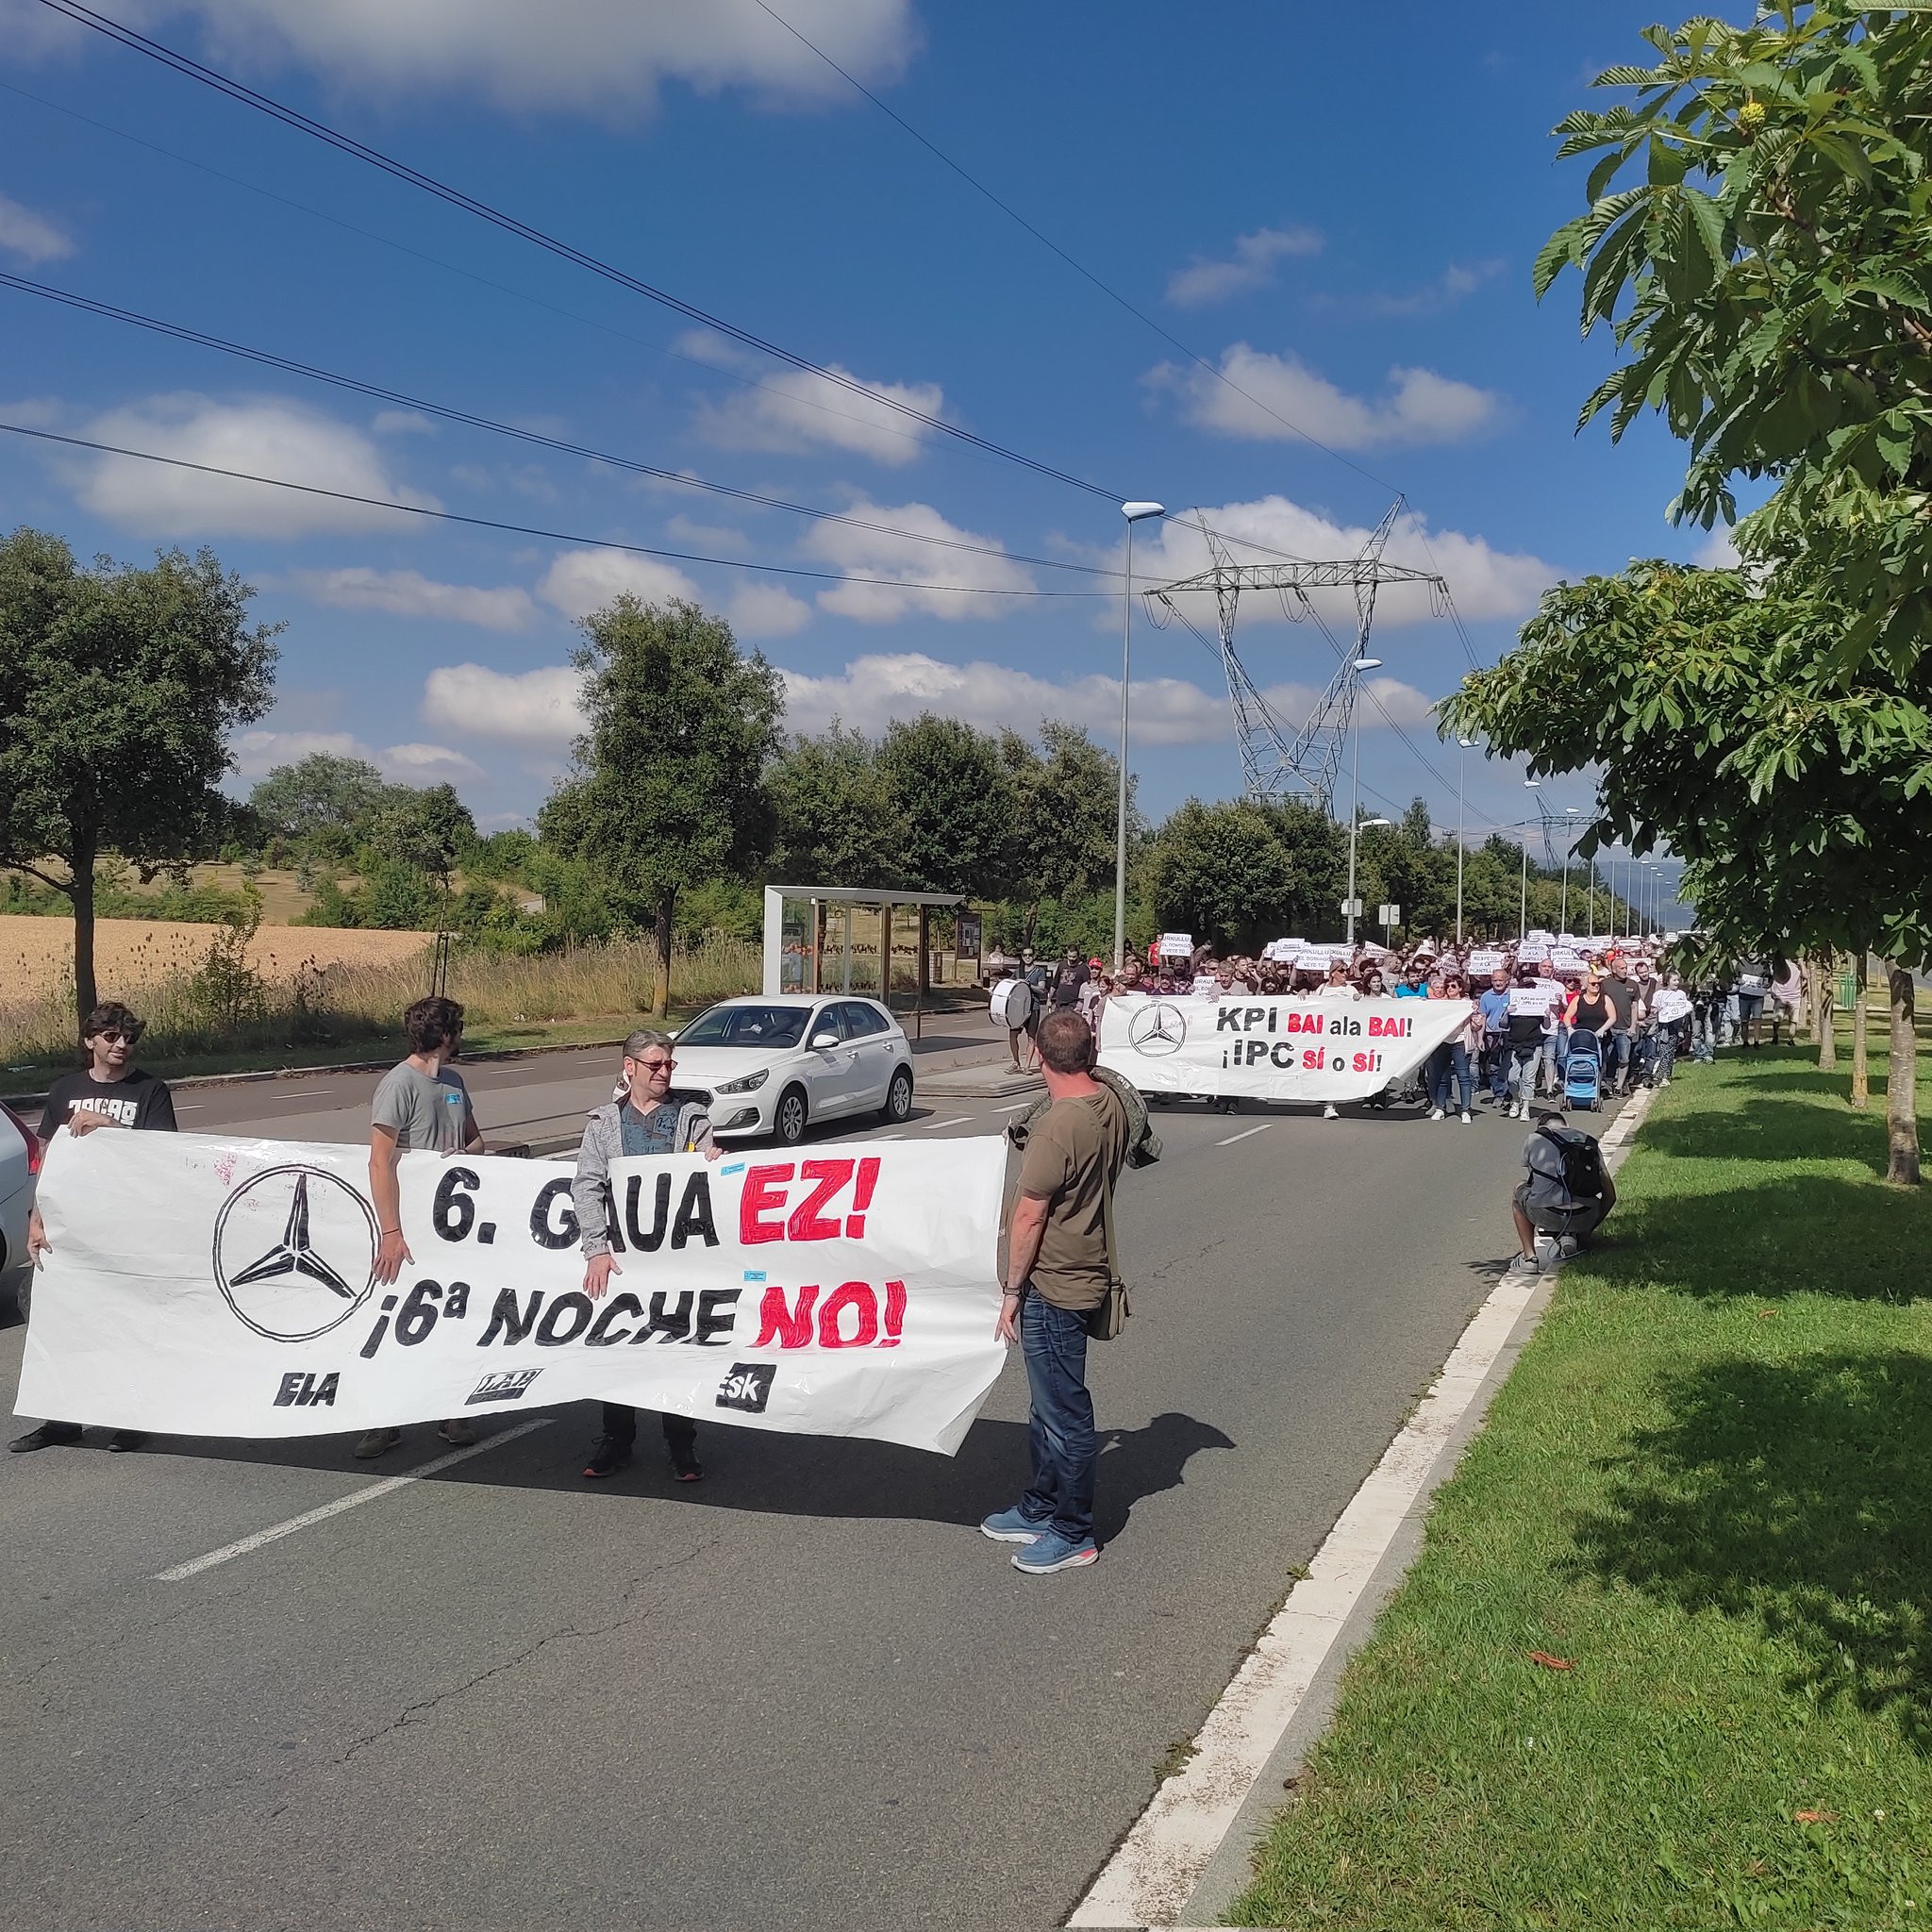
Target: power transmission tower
pixel 1275 761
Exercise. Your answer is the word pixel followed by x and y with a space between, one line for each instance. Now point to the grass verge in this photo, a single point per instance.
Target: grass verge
pixel 1707 1490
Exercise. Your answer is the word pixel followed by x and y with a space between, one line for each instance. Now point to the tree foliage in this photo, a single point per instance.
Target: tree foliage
pixel 837 822
pixel 1767 279
pixel 953 790
pixel 118 690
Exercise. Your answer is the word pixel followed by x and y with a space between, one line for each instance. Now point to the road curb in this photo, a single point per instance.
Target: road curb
pixel 1190 1853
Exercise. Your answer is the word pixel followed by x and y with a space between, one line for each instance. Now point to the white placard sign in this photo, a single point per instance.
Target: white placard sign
pixel 1487 959
pixel 1270 1048
pixel 205 1287
pixel 1537 999
pixel 1177 944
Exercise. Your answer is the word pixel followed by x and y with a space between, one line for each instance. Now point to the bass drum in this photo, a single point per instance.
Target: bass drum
pixel 1012 1004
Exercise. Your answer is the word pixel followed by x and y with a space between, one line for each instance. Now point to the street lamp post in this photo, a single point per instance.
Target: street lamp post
pixel 1523 906
pixel 1355 789
pixel 1462 749
pixel 1134 512
pixel 1569 853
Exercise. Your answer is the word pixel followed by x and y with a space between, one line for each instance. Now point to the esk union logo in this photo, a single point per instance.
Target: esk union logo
pixel 294 1252
pixel 1158 1028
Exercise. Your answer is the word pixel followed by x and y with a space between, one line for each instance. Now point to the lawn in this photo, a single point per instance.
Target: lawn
pixel 1707 1490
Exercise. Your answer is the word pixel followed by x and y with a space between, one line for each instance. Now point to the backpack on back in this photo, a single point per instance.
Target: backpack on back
pixel 1583 1162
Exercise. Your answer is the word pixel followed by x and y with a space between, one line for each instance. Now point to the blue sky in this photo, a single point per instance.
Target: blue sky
pixel 1338 207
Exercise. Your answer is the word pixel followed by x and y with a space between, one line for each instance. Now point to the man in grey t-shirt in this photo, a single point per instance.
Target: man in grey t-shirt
pixel 419 1104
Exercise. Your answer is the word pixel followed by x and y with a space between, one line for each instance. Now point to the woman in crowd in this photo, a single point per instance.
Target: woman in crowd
pixel 1454 1060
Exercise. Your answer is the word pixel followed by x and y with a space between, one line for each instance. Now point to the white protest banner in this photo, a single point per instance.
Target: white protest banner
pixel 1672 1005
pixel 1270 1048
pixel 1566 959
pixel 1537 999
pixel 206 1286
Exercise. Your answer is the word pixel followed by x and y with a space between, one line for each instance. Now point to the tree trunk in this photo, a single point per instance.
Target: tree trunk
pixel 80 889
pixel 660 980
pixel 1824 998
pixel 1861 1071
pixel 1900 1084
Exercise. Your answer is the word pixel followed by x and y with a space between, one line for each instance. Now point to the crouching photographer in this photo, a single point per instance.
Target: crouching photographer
pixel 1563 1199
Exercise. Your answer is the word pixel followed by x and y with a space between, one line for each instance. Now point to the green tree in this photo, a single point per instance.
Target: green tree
pixel 1697 694
pixel 318 799
pixel 837 823
pixel 1221 872
pixel 952 788
pixel 118 690
pixel 1767 280
pixel 669 788
pixel 427 826
pixel 1066 812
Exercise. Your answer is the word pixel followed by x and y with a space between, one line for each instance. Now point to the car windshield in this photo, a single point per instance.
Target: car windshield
pixel 749 1026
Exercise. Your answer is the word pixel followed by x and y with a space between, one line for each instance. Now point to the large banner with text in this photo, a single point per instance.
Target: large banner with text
pixel 1265 1048
pixel 205 1287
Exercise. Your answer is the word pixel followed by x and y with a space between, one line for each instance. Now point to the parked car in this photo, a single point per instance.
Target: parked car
pixel 772 1066
pixel 20 1165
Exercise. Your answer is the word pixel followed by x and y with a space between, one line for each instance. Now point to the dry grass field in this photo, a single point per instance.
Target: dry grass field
pixel 135 956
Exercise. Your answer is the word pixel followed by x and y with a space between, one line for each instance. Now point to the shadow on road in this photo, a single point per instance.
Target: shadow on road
pixel 773 1475
pixel 1795 1493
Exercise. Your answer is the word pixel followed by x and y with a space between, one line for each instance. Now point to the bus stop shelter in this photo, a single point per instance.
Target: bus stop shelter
pixel 842 939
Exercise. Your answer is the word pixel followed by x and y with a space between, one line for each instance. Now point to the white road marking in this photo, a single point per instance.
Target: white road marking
pixel 182 1571
pixel 1018 1106
pixel 1151 1876
pixel 927 1126
pixel 1245 1133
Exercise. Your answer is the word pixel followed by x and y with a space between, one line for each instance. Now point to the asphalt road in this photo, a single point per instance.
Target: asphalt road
pixel 803 1694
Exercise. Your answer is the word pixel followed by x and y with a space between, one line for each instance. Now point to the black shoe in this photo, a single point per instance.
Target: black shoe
pixel 122 1441
pixel 47 1436
pixel 608 1457
pixel 686 1467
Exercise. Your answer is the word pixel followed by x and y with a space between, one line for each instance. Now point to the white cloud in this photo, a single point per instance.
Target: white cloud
pixel 30 236
pixel 913 560
pixel 681 529
pixel 540 707
pixel 1419 407
pixel 1485 582
pixel 34 412
pixel 609 56
pixel 1456 282
pixel 581 581
pixel 874 689
pixel 257 753
pixel 263 437
pixel 410 593
pixel 402 423
pixel 426 764
pixel 1718 551
pixel 766 610
pixel 792 411
pixel 1252 266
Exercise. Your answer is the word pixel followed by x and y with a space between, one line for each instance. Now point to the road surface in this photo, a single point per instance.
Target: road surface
pixel 805 1693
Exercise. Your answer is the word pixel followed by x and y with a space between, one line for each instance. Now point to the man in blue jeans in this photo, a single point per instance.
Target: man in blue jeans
pixel 1058 1273
pixel 1494 1003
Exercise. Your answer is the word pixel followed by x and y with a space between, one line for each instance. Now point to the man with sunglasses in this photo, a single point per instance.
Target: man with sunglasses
pixel 109 1092
pixel 643 1119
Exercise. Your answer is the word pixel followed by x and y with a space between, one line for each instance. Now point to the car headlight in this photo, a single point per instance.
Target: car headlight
pixel 750 1084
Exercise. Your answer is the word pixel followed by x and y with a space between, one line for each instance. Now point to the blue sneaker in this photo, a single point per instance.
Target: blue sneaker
pixel 1009 1527
pixel 1051 1550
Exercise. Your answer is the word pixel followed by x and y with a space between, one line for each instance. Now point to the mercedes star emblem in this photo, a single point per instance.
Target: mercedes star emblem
pixel 1158 1028
pixel 294 1248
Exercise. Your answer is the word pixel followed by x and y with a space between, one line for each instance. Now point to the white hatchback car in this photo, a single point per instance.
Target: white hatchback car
pixel 20 1161
pixel 773 1066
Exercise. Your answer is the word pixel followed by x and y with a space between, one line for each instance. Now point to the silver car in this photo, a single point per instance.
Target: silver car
pixel 20 1163
pixel 776 1065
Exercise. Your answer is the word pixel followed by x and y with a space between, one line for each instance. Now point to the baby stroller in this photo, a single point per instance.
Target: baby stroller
pixel 1583 1070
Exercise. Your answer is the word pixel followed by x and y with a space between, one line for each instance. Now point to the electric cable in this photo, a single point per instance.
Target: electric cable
pixel 450 516
pixel 25 285
pixel 539 237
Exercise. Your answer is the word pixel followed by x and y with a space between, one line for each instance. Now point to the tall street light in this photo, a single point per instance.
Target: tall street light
pixel 1462 748
pixel 1523 906
pixel 1354 791
pixel 1134 512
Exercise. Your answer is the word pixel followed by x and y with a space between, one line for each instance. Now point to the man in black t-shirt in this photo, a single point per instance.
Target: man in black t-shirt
pixel 1068 976
pixel 1624 1000
pixel 109 1092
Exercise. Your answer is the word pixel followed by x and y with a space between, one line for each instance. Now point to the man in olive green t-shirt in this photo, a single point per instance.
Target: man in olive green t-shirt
pixel 1057 1274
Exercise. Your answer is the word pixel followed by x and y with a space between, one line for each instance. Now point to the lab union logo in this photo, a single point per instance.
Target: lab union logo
pixel 294 1250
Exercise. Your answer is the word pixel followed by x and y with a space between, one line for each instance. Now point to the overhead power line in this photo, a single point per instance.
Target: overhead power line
pixel 450 516
pixel 539 237
pixel 25 285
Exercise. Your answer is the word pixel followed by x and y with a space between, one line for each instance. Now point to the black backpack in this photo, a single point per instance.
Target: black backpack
pixel 1583 1162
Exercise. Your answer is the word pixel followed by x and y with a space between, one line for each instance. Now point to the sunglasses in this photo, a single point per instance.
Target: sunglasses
pixel 654 1066
pixel 114 1035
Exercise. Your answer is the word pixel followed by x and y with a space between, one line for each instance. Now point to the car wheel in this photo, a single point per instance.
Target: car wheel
pixel 898 1105
pixel 787 1123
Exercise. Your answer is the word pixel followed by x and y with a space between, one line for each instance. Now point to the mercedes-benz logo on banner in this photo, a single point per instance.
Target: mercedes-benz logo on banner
pixel 1157 1029
pixel 294 1252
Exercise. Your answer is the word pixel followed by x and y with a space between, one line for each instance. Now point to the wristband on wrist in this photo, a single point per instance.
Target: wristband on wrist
pixel 391 1230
